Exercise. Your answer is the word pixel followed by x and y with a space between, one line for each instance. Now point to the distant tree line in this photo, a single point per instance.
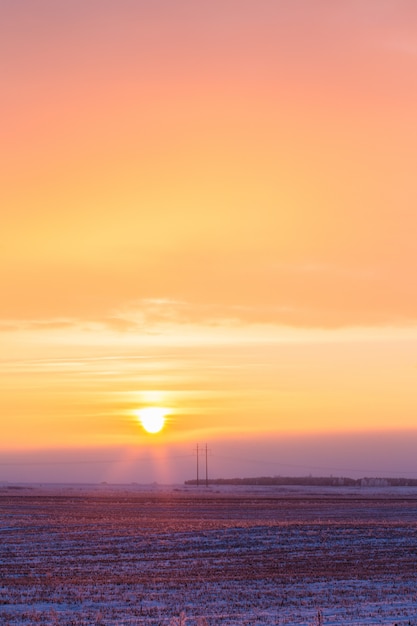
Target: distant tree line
pixel 319 481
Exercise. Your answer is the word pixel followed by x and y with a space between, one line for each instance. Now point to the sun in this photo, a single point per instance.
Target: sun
pixel 152 418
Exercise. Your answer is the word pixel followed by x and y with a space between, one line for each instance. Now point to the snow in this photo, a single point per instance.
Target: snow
pixel 133 554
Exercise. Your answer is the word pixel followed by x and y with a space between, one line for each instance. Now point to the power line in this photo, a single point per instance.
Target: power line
pixel 89 462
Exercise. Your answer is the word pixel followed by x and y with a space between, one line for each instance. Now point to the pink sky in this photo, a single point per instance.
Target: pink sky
pixel 208 207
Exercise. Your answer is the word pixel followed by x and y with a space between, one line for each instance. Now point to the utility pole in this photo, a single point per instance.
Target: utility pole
pixel 197 467
pixel 206 468
pixel 200 450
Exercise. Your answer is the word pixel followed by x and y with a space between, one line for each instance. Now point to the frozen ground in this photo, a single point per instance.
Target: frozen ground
pixel 116 555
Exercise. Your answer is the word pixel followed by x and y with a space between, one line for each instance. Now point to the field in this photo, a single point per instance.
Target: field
pixel 135 555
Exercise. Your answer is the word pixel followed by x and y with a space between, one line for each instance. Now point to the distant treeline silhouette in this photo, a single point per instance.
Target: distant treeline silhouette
pixel 320 481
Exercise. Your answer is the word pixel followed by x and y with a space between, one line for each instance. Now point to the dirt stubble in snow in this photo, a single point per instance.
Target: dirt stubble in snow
pixel 126 557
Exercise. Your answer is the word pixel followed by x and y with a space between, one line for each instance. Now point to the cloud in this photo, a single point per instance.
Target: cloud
pixel 36 324
pixel 253 291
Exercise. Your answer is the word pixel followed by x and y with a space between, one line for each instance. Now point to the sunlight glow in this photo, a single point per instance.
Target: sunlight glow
pixel 152 418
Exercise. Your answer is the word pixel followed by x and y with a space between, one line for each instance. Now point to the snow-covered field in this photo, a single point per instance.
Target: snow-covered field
pixel 134 555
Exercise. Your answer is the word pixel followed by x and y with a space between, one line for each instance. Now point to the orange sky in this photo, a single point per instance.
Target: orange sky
pixel 211 207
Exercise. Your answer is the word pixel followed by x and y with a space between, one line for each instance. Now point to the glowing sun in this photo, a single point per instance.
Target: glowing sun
pixel 152 418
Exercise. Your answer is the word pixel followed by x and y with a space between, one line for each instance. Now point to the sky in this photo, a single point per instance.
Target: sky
pixel 209 208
